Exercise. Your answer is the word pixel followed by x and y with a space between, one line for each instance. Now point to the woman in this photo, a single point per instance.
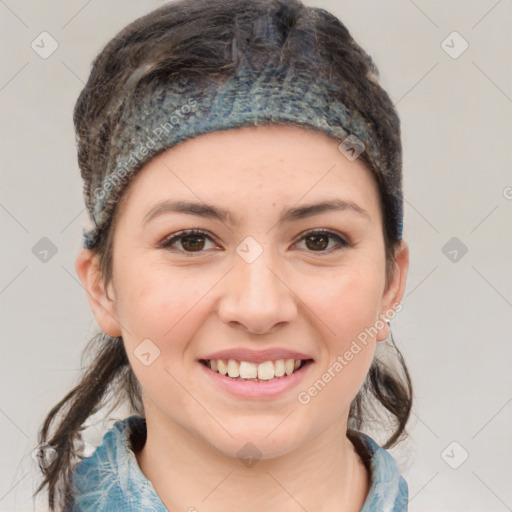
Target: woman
pixel 242 169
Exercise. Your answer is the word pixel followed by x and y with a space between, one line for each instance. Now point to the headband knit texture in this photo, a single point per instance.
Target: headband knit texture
pixel 157 118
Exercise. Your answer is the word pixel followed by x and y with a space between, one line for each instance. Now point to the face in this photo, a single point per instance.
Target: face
pixel 264 277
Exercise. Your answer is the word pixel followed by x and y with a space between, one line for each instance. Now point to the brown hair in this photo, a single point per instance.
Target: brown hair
pixel 207 40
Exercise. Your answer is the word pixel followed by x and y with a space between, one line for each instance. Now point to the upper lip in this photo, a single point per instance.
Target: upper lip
pixel 256 356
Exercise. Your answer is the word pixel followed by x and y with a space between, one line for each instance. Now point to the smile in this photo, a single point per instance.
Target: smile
pixel 247 371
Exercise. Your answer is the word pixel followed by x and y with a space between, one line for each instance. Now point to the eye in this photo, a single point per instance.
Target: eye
pixel 318 240
pixel 191 240
pixel 195 240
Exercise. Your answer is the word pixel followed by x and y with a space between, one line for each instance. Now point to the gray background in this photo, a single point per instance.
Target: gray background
pixel 455 327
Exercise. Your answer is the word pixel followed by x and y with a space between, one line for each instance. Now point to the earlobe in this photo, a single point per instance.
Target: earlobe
pixel 102 305
pixel 396 289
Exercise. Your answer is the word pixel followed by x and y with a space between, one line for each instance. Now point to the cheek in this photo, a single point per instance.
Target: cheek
pixel 348 307
pixel 347 303
pixel 157 303
pixel 165 307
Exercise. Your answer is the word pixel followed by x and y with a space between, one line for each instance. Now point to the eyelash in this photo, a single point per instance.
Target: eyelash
pixel 169 241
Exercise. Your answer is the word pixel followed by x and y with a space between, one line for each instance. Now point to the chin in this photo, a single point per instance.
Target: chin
pixel 259 442
pixel 249 450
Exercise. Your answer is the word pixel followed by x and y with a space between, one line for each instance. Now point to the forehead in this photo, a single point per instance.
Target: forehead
pixel 260 165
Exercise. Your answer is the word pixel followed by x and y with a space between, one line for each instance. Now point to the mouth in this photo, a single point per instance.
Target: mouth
pixel 266 371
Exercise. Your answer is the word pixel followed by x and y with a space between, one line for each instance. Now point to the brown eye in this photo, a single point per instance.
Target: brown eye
pixel 187 241
pixel 318 241
pixel 192 243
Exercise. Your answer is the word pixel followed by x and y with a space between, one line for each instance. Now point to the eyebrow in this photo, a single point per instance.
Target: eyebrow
pixel 292 214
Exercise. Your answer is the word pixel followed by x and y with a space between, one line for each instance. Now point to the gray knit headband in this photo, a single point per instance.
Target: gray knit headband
pixel 151 123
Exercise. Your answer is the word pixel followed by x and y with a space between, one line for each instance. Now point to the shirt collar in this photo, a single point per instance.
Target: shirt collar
pixel 110 479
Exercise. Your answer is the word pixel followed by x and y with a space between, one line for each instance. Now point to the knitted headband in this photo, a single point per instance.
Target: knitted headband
pixel 153 122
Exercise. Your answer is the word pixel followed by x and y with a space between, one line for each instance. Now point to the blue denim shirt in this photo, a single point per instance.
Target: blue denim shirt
pixel 110 480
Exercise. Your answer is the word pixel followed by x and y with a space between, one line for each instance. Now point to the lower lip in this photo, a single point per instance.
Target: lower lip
pixel 262 389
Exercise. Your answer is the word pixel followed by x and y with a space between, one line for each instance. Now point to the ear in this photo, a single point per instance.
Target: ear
pixel 396 288
pixel 103 306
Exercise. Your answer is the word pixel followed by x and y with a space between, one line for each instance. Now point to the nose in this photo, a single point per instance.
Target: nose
pixel 256 297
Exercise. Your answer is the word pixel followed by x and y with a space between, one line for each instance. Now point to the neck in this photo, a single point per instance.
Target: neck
pixel 324 475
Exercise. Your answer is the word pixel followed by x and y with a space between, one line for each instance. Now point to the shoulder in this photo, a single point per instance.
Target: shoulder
pixel 388 489
pixel 110 479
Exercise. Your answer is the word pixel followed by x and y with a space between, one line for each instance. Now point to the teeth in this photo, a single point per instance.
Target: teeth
pixel 222 366
pixel 266 370
pixel 279 368
pixel 263 371
pixel 233 368
pixel 248 370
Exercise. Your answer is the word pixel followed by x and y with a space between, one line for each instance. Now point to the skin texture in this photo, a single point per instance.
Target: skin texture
pixel 292 296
